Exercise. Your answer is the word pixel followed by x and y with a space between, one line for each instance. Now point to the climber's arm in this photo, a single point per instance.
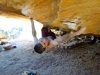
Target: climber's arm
pixel 33 31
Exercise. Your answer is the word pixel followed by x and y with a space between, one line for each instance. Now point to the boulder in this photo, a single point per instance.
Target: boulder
pixel 66 14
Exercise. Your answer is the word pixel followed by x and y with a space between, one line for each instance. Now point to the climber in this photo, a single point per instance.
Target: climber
pixel 49 39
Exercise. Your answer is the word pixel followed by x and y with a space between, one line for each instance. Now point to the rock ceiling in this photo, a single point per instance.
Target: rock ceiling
pixel 66 14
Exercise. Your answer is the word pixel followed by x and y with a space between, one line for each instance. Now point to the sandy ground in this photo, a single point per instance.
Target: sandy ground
pixel 84 59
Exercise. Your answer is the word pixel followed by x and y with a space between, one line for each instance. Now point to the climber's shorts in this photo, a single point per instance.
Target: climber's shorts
pixel 46 33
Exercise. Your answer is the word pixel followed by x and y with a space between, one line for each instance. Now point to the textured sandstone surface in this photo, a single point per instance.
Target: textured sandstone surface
pixel 66 14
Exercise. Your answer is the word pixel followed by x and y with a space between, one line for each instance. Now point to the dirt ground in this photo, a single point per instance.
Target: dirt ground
pixel 83 59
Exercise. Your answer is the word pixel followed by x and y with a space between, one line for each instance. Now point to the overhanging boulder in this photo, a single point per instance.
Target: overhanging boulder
pixel 66 14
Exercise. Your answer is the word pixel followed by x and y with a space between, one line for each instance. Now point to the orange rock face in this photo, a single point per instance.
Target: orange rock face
pixel 66 14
